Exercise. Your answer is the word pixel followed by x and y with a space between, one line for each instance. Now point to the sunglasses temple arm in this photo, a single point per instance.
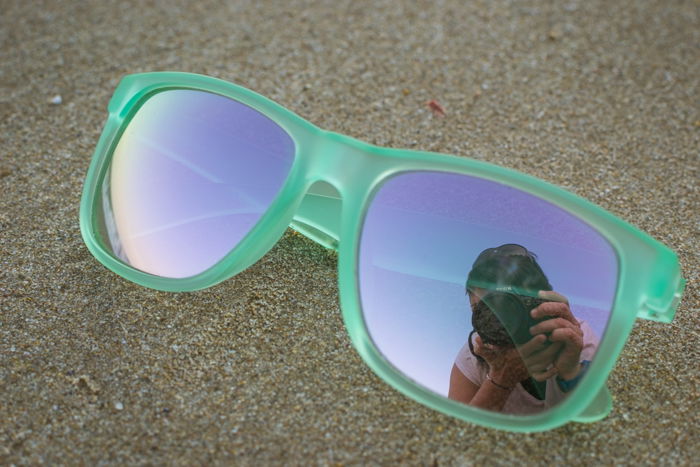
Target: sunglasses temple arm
pixel 318 216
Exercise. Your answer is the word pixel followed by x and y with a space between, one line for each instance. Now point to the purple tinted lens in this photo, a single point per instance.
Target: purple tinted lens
pixel 422 234
pixel 192 174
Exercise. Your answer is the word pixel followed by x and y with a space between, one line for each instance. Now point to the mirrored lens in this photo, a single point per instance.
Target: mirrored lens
pixel 481 292
pixel 191 175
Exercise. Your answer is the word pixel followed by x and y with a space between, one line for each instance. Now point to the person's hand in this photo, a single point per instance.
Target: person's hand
pixel 563 330
pixel 539 357
pixel 506 366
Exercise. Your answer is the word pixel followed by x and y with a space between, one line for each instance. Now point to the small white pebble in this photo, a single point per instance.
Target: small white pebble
pixel 57 99
pixel 119 406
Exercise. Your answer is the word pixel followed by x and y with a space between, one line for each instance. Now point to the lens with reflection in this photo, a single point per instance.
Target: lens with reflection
pixel 481 292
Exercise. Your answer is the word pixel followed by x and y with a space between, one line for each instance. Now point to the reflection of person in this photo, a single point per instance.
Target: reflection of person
pixel 527 350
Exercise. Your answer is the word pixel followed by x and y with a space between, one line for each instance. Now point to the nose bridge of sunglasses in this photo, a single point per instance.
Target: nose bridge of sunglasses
pixel 341 171
pixel 318 216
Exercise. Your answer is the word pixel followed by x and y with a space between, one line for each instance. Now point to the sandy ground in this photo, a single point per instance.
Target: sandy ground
pixel 599 97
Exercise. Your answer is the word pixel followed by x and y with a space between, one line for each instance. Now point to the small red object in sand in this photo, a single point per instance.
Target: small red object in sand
pixel 436 108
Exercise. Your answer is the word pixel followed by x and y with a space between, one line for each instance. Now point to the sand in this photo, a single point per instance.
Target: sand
pixel 601 98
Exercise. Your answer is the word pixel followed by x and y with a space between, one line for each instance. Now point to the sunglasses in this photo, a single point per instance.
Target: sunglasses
pixel 194 179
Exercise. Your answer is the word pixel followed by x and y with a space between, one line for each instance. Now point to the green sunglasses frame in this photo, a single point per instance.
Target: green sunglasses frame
pixel 649 279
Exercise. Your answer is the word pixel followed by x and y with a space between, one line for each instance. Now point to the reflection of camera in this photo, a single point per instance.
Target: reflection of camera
pixel 503 318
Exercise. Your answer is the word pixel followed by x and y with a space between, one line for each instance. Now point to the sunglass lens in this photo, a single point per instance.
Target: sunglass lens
pixel 420 241
pixel 190 176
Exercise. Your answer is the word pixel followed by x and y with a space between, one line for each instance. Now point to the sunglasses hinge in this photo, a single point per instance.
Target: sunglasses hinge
pixel 664 308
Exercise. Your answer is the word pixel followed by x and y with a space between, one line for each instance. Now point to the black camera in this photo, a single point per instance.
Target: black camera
pixel 503 318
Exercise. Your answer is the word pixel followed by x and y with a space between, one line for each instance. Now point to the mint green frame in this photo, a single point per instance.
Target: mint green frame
pixel 650 283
